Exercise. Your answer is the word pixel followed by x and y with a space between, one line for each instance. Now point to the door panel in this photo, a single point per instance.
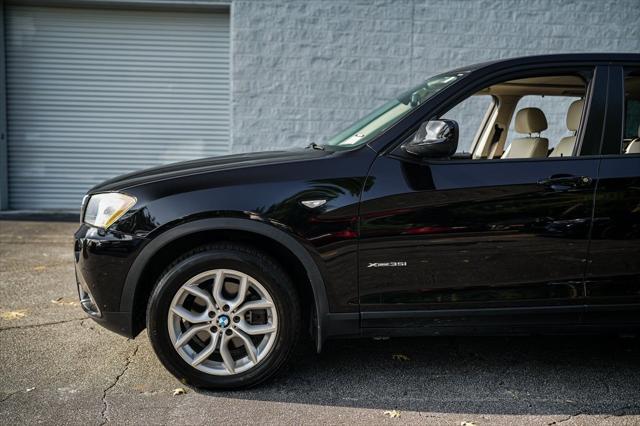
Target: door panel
pixel 613 275
pixel 474 234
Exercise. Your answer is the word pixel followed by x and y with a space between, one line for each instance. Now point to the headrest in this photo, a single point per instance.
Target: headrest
pixel 530 120
pixel 573 115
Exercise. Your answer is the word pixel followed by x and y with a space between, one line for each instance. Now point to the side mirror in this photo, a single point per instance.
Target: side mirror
pixel 434 139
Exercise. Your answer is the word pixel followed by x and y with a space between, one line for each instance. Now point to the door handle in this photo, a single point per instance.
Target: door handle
pixel 564 182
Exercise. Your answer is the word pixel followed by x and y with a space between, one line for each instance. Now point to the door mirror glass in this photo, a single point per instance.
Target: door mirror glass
pixel 434 139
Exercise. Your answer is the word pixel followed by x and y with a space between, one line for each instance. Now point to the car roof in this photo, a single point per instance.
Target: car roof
pixel 553 58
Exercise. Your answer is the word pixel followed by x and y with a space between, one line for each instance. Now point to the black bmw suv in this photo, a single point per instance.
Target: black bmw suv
pixel 499 198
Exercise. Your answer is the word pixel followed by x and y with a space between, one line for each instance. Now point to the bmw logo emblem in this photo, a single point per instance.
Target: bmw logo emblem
pixel 223 321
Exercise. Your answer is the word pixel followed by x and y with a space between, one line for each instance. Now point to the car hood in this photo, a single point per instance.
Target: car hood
pixel 206 165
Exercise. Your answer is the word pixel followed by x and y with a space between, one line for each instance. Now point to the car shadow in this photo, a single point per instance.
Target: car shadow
pixel 478 375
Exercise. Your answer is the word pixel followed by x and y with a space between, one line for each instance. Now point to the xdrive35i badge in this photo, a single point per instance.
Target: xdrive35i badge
pixel 386 264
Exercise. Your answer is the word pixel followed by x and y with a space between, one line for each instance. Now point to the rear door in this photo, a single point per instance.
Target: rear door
pixel 613 272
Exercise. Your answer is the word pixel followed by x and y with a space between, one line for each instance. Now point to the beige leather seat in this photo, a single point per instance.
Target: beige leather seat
pixel 566 144
pixel 634 146
pixel 529 120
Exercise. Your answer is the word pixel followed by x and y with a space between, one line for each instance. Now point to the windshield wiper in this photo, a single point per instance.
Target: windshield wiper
pixel 314 145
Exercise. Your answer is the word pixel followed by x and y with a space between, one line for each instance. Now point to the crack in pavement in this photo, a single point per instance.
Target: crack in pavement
pixel 7 396
pixel 105 404
pixel 557 422
pixel 621 411
pixel 15 327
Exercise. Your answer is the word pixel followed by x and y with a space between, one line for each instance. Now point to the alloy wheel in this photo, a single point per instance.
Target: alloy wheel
pixel 222 322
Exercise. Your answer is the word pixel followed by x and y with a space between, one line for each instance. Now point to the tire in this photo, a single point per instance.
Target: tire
pixel 228 262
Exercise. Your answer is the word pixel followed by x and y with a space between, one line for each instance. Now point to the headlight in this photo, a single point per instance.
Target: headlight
pixel 104 209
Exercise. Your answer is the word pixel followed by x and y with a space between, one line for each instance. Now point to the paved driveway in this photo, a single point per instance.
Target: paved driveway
pixel 58 367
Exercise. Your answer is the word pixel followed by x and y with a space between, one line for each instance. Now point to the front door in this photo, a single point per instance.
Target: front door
pixel 497 242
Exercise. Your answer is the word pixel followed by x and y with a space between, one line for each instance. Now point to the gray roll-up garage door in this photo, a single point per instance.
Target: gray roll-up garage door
pixel 94 93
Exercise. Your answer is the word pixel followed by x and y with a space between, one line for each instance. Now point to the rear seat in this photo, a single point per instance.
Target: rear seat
pixel 566 144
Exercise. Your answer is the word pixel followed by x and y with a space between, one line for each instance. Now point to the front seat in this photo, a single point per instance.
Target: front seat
pixel 566 144
pixel 529 120
pixel 634 146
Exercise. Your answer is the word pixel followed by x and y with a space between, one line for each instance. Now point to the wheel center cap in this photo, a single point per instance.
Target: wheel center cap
pixel 223 321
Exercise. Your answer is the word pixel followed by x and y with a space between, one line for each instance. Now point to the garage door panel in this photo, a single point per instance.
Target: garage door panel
pixel 93 93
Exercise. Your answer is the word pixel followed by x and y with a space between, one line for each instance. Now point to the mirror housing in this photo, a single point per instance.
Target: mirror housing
pixel 434 139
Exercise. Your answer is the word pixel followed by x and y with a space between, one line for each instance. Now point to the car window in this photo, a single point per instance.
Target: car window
pixel 391 112
pixel 469 114
pixel 632 118
pixel 631 143
pixel 541 114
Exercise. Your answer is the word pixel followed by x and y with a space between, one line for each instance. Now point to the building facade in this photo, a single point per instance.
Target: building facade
pixel 94 88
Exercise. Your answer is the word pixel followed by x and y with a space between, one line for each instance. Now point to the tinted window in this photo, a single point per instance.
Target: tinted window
pixel 632 118
pixel 631 125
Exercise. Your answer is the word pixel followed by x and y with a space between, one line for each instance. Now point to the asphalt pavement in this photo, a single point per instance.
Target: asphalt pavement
pixel 59 367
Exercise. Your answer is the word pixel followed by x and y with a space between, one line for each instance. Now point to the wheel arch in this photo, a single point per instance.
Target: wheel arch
pixel 137 288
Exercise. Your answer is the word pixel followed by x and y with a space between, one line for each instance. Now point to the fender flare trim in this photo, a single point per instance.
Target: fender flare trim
pixel 232 224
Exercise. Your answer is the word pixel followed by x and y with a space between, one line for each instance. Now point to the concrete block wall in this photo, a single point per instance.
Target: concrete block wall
pixel 305 69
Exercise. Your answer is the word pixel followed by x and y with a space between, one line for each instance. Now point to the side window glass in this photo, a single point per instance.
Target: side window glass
pixel 555 109
pixel 532 117
pixel 631 143
pixel 469 115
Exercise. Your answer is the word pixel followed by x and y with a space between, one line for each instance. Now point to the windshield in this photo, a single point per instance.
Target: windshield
pixel 381 118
